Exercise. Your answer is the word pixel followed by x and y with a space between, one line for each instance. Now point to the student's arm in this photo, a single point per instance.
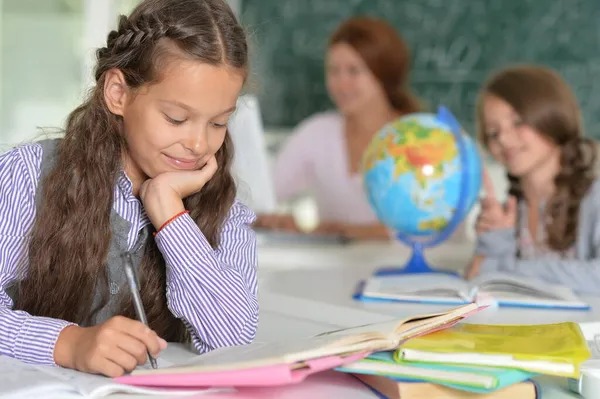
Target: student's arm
pixel 213 291
pixel 372 231
pixel 499 249
pixel 22 336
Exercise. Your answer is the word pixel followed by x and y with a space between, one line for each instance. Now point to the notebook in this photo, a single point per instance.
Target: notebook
pixel 480 379
pixel 390 389
pixel 503 289
pixel 21 380
pixel 554 349
pixel 264 376
pixel 238 362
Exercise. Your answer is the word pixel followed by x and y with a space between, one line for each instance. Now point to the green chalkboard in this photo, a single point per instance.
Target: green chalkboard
pixel 455 45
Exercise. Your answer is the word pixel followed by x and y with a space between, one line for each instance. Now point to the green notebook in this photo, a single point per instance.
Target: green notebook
pixel 475 379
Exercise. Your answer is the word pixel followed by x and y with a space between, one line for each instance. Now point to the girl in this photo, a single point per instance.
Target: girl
pixel 367 69
pixel 147 154
pixel 549 229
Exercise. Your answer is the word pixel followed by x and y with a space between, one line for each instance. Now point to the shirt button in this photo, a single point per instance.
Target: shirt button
pixel 114 288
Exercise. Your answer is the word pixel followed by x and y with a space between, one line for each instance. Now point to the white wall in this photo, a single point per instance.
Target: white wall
pixel 236 6
pixel 40 74
pixel 47 56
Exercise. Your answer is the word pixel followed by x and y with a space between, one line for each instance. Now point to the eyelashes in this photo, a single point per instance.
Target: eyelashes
pixel 177 122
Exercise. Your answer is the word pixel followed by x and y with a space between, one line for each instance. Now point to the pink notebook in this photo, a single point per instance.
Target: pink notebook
pixel 282 374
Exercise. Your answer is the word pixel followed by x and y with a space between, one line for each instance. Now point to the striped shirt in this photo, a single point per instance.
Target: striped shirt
pixel 214 291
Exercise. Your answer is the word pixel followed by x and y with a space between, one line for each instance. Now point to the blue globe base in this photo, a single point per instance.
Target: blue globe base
pixel 415 265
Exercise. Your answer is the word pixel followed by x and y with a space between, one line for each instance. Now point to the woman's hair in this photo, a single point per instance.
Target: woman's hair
pixel 545 102
pixel 71 235
pixel 385 54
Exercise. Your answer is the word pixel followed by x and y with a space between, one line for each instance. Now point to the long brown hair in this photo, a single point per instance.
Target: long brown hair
pixel 71 235
pixel 385 54
pixel 545 102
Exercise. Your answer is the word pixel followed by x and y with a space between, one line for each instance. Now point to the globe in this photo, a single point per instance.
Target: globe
pixel 422 175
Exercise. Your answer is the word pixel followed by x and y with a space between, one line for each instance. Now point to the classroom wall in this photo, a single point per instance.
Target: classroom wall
pixel 41 72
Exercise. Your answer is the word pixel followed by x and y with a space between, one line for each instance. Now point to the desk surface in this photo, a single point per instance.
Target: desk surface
pixel 335 282
pixel 304 288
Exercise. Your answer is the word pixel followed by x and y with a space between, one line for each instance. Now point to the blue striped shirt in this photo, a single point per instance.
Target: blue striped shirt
pixel 214 291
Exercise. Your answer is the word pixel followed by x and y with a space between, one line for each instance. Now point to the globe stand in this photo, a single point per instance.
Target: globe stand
pixel 417 264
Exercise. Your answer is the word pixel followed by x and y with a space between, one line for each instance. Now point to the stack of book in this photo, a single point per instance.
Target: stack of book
pixel 475 361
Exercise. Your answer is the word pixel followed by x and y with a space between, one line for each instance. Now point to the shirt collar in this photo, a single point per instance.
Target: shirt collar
pixel 125 185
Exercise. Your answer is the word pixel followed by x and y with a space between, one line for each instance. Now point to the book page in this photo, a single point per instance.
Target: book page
pixel 427 286
pixel 20 380
pixel 262 354
pixel 365 338
pixel 381 330
pixel 91 385
pixel 507 286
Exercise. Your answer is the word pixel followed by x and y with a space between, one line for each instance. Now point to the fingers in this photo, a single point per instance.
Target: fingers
pixel 510 209
pixel 186 183
pixel 139 332
pixel 124 361
pixel 203 175
pixel 488 185
pixel 329 228
pixel 211 166
pixel 277 222
pixel 483 226
pixel 134 347
pixel 488 203
pixel 108 368
pixel 473 268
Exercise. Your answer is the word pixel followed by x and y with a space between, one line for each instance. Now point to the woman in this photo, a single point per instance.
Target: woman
pixel 367 67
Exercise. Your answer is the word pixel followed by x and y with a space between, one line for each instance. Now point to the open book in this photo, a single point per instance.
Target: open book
pixel 20 380
pixel 504 289
pixel 295 354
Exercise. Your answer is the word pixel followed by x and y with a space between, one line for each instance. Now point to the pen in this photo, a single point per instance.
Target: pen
pixel 137 299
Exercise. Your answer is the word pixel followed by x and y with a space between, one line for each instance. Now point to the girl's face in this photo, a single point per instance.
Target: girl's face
pixel 177 123
pixel 350 83
pixel 520 148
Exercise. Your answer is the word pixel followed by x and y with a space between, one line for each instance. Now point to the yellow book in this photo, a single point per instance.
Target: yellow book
pixel 555 349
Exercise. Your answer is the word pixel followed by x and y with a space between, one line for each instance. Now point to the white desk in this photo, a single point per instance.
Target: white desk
pixel 305 291
pixel 305 288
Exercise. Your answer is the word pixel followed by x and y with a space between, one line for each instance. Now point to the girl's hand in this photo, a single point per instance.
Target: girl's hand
pixel 493 214
pixel 472 270
pixel 331 228
pixel 277 223
pixel 113 348
pixel 163 195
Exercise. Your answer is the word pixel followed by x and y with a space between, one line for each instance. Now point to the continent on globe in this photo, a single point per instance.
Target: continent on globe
pixel 420 150
pixel 413 171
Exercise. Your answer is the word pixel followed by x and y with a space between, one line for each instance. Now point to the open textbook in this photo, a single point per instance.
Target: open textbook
pixel 504 289
pixel 23 381
pixel 296 353
pixel 20 380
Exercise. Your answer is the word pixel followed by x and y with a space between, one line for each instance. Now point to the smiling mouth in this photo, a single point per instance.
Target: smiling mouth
pixel 182 163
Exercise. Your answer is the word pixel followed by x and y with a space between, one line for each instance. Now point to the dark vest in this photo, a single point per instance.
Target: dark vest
pixel 117 281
